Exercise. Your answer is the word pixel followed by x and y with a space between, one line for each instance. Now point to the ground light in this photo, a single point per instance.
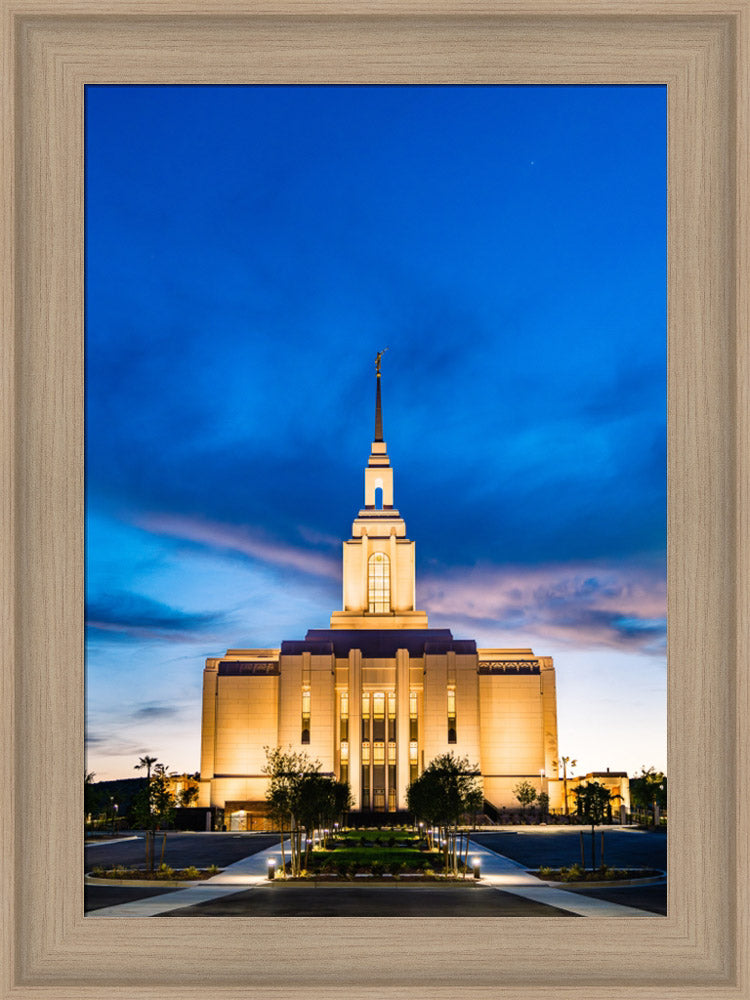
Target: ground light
pixel 476 866
pixel 271 869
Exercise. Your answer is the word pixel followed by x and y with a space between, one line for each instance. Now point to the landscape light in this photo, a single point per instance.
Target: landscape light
pixel 271 869
pixel 476 864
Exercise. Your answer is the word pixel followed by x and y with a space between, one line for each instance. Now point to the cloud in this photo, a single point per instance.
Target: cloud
pixel 154 711
pixel 127 615
pixel 114 746
pixel 241 541
pixel 583 605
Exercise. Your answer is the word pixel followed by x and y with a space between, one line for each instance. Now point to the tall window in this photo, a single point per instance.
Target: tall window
pixel 344 716
pixel 379 583
pixel 451 715
pixel 344 736
pixel 305 715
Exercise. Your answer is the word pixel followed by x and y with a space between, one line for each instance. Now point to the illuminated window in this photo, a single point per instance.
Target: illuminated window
pixel 378 716
pixel 391 753
pixel 344 763
pixel 305 715
pixel 413 717
pixel 413 761
pixel 451 715
pixel 392 716
pixel 378 753
pixel 365 716
pixel 379 583
pixel 365 753
pixel 344 716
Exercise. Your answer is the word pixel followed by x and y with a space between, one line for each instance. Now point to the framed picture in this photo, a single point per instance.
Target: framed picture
pixel 700 948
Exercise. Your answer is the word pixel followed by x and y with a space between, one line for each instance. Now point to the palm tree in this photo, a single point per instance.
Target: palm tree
pixel 146 762
pixel 563 763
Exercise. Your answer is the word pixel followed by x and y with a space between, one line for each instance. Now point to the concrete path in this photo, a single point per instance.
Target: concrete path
pixel 239 877
pixel 508 876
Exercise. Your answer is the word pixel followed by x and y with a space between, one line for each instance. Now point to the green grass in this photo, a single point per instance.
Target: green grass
pixel 380 837
pixel 371 855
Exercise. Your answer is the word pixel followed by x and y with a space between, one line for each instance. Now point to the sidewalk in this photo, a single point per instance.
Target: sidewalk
pixel 508 876
pixel 239 877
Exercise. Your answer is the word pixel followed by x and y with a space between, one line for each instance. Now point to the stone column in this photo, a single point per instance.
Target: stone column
pixel 402 726
pixel 355 726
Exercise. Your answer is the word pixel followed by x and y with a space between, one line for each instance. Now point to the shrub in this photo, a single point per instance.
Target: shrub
pixel 395 868
pixel 544 871
pixel 573 874
pixel 213 870
pixel 165 872
pixel 191 872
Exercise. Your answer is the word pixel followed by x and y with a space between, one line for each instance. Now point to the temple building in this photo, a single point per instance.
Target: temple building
pixel 378 694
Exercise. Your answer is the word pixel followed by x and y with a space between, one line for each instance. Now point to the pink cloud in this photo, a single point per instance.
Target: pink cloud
pixel 243 541
pixel 582 605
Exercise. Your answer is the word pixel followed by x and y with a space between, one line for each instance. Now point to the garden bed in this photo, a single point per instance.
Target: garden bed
pixel 161 874
pixel 603 874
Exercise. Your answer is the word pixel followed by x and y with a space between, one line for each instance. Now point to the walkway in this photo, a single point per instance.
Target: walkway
pixel 508 876
pixel 239 877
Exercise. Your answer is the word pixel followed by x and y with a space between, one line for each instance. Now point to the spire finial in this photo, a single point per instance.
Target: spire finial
pixel 377 359
pixel 378 411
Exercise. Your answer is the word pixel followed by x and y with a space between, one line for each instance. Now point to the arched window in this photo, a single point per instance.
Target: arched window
pixel 378 498
pixel 379 583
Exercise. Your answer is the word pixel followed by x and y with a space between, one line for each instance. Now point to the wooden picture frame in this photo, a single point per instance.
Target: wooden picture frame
pixel 52 49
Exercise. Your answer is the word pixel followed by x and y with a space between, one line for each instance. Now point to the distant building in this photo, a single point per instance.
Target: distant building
pixel 377 695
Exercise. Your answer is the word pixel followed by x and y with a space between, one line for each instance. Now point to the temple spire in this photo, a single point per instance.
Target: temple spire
pixel 378 408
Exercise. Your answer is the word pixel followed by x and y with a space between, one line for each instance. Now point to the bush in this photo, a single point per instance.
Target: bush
pixel 396 868
pixel 165 872
pixel 573 874
pixel 191 872
pixel 213 870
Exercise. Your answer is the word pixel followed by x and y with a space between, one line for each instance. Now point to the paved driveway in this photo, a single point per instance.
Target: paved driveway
pixel 534 846
pixel 370 901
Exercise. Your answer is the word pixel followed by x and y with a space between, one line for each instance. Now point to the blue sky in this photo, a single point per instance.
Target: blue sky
pixel 249 249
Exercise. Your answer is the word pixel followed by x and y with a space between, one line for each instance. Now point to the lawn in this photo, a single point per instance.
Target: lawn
pixel 374 852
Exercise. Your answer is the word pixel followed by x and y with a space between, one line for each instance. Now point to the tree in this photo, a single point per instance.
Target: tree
pixel 525 793
pixel 543 800
pixel 146 762
pixel 647 789
pixel 563 763
pixel 188 794
pixel 161 798
pixel 287 771
pixel 446 791
pixel 91 794
pixel 593 799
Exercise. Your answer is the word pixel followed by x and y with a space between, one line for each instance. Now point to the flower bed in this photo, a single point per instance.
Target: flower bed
pixel 161 874
pixel 602 874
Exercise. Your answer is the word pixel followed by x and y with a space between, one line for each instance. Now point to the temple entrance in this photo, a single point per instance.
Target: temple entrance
pixel 379 751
